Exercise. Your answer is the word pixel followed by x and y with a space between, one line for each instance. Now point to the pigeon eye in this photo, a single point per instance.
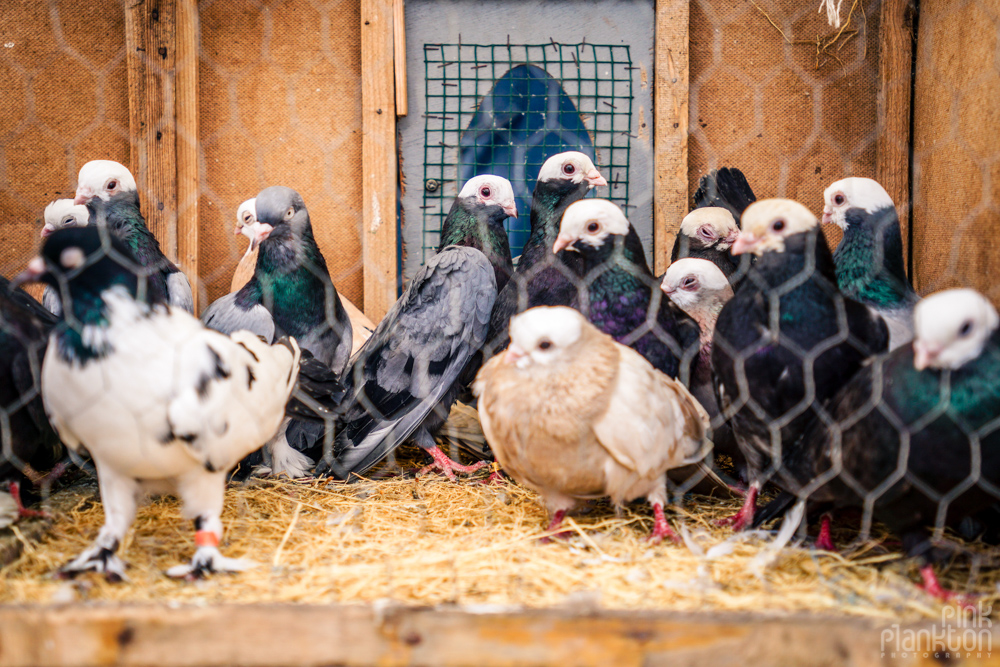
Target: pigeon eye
pixel 289 213
pixel 544 344
pixel 689 283
pixel 247 218
pixel 966 329
pixel 112 184
pixel 593 227
pixel 839 199
pixel 569 168
pixel 706 233
pixel 68 221
pixel 485 192
pixel 778 225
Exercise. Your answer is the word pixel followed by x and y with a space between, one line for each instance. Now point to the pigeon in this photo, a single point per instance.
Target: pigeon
pixel 476 220
pixel 701 289
pixel 869 258
pixel 540 278
pixel 573 415
pixel 108 190
pixel 621 294
pixel 161 404
pixel 787 341
pixel 709 233
pixel 290 294
pixel 31 448
pixel 59 214
pixel 914 433
pixel 246 225
pixel 403 381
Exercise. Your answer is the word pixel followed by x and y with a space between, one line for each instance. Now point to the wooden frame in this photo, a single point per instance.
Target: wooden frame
pixel 277 635
pixel 670 127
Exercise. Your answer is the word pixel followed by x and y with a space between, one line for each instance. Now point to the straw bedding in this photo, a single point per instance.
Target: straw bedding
pixel 427 541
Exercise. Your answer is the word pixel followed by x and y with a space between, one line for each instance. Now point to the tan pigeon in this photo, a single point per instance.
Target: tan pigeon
pixel 572 415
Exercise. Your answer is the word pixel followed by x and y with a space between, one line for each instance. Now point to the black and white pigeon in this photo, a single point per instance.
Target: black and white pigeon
pixel 622 297
pixel 31 448
pixel 59 214
pixel 915 433
pixel 541 278
pixel 161 404
pixel 427 350
pixel 869 259
pixel 787 341
pixel 108 190
pixel 701 289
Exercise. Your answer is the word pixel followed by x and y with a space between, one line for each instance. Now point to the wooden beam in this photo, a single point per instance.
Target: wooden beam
pixel 378 157
pixel 150 40
pixel 670 127
pixel 188 177
pixel 79 635
pixel 893 107
pixel 399 56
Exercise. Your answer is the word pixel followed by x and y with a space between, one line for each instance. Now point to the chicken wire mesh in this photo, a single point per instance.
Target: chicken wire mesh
pixel 773 90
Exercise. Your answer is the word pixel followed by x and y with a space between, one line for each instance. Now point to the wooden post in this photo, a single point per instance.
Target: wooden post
pixel 399 56
pixel 188 178
pixel 893 104
pixel 150 40
pixel 670 128
pixel 378 157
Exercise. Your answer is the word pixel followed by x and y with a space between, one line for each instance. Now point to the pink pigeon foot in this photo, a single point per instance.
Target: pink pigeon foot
pixel 824 540
pixel 744 517
pixel 556 521
pixel 661 529
pixel 448 467
pixel 22 511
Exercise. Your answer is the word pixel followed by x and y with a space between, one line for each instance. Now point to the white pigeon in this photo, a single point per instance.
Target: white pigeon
pixel 59 214
pixel 161 404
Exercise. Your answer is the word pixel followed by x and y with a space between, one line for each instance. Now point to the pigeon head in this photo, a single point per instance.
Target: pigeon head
pixel 950 328
pixel 88 259
pixel 246 220
pixel 697 286
pixel 573 167
pixel 711 227
pixel 494 193
pixel 64 213
pixel 103 179
pixel 544 336
pixel 853 193
pixel 768 222
pixel 589 222
pixel 280 211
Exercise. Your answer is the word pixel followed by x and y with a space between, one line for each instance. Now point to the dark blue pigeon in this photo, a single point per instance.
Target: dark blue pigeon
pixel 525 119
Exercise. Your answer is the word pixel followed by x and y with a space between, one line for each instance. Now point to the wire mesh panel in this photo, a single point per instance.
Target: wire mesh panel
pixel 489 113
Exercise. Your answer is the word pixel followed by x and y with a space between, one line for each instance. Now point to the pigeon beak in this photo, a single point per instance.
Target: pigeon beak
pixel 595 179
pixel 745 242
pixel 238 231
pixel 34 271
pixel 511 210
pixel 47 231
pixel 262 230
pixel 563 243
pixel 83 195
pixel 923 355
pixel 666 289
pixel 514 354
pixel 827 217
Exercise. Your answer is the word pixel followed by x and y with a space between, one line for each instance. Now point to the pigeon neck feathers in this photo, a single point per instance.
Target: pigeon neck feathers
pixel 869 259
pixel 473 225
pixel 548 203
pixel 805 255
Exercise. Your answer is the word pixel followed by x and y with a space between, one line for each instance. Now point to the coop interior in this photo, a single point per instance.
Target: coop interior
pixel 377 112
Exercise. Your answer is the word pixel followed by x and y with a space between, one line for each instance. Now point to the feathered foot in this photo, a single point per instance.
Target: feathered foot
pixel 448 467
pixel 22 511
pixel 207 559
pixel 661 529
pixel 824 540
pixel 744 517
pixel 98 559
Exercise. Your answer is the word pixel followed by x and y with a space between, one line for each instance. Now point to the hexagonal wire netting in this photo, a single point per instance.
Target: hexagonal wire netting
pixel 774 91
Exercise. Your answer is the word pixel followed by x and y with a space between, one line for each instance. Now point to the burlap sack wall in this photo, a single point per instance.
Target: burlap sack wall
pixel 956 147
pixel 280 104
pixel 760 104
pixel 64 101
